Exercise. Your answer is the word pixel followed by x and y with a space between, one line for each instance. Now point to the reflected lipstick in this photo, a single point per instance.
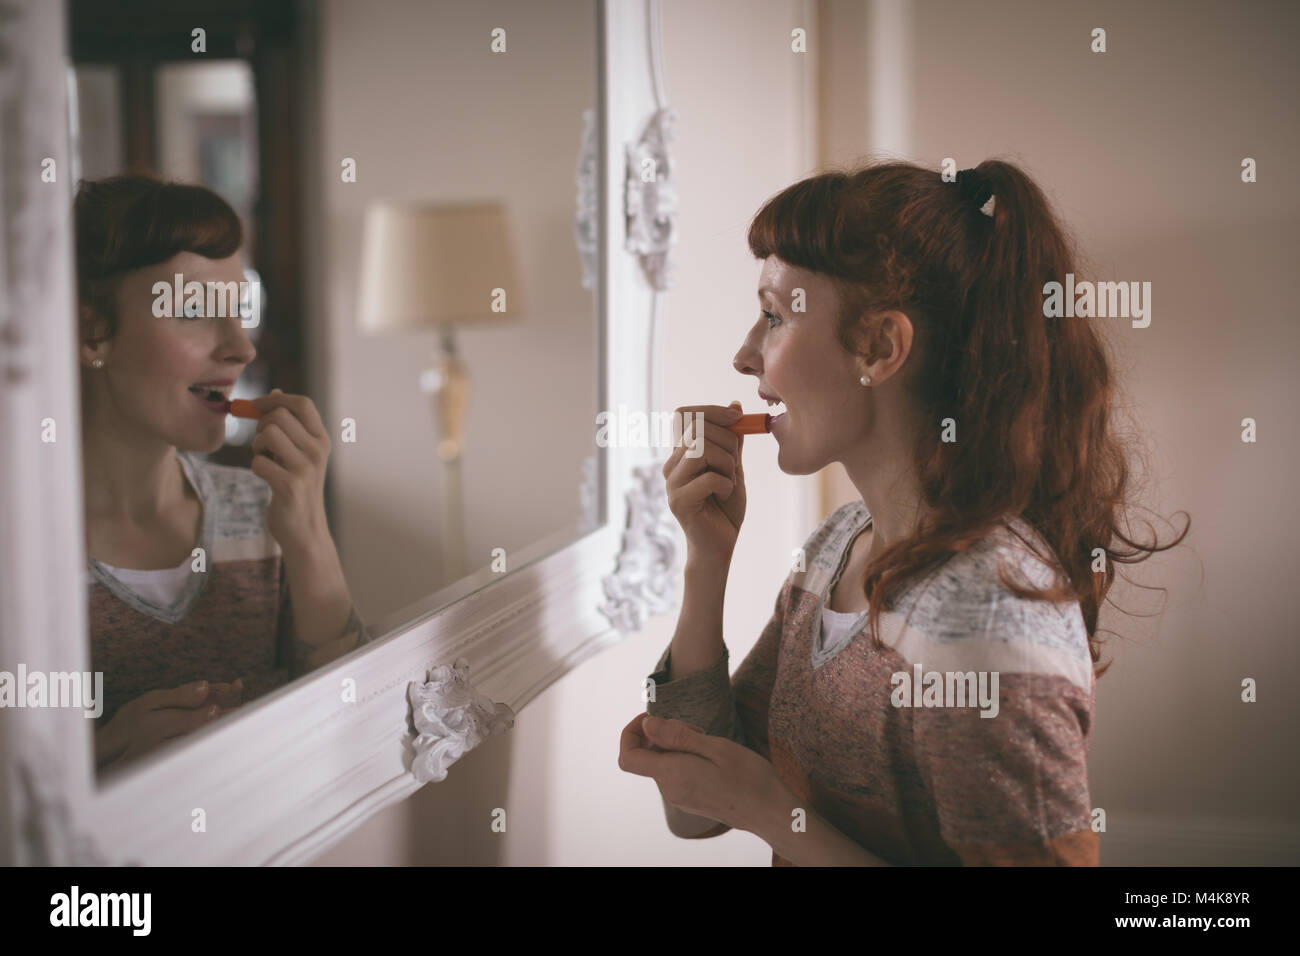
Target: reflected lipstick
pixel 242 408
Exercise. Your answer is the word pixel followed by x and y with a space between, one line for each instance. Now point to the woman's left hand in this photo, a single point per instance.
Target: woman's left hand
pixel 702 774
pixel 290 453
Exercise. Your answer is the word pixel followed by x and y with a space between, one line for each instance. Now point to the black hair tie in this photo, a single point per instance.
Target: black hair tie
pixel 974 186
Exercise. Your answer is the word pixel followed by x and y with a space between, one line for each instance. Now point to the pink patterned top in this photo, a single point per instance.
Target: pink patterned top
pixel 231 619
pixel 913 751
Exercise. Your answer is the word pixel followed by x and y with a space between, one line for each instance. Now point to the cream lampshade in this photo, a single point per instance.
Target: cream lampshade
pixel 425 264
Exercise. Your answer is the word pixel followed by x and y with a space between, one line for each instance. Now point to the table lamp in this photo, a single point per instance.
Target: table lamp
pixel 426 265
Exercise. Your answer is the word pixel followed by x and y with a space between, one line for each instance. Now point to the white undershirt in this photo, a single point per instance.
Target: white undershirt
pixel 162 586
pixel 837 626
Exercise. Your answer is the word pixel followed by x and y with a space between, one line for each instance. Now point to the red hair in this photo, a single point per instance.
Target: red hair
pixel 1031 395
pixel 135 220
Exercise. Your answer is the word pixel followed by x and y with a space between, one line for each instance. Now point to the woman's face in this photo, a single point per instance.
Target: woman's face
pixel 153 364
pixel 797 358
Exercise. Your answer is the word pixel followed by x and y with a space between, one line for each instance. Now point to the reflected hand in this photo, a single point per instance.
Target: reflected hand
pixel 140 725
pixel 290 453
pixel 227 696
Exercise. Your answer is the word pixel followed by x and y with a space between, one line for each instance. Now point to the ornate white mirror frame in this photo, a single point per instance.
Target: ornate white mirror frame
pixel 298 769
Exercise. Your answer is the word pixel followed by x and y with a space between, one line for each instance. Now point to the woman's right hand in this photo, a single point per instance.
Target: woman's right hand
pixel 140 725
pixel 707 493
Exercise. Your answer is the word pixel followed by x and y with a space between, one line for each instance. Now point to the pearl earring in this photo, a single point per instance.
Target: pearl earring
pixel 98 363
pixel 865 380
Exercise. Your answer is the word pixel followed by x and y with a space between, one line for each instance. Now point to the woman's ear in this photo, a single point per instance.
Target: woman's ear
pixel 92 330
pixel 890 344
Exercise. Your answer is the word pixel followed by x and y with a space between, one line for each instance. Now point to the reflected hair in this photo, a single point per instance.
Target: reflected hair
pixel 135 220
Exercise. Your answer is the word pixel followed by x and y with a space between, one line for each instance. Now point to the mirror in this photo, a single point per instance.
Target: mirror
pixel 417 215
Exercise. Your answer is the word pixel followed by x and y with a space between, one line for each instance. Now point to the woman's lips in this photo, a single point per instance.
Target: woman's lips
pixel 773 402
pixel 219 407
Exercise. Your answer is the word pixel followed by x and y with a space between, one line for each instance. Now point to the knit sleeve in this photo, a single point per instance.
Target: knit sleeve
pixel 285 638
pixel 735 708
pixel 293 654
pixel 1009 776
pixel 751 686
pixel 738 707
pixel 721 706
pixel 355 632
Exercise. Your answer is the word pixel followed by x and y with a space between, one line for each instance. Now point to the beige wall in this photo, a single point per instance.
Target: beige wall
pixel 411 91
pixel 1140 149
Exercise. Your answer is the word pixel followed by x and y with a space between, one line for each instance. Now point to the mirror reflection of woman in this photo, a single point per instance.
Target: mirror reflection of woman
pixel 903 328
pixel 209 585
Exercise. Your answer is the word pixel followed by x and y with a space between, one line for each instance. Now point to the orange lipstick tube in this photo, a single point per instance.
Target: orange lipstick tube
pixel 242 408
pixel 755 424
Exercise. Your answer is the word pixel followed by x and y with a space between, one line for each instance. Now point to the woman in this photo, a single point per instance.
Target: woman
pixel 209 585
pixel 923 693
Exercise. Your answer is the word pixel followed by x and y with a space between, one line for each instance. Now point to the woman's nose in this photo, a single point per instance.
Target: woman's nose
pixel 239 346
pixel 746 361
pixel 749 360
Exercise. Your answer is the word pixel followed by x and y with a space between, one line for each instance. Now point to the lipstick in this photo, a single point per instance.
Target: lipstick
pixel 242 408
pixel 755 424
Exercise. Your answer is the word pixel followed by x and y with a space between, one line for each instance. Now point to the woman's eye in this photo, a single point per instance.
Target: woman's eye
pixel 191 310
pixel 771 318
